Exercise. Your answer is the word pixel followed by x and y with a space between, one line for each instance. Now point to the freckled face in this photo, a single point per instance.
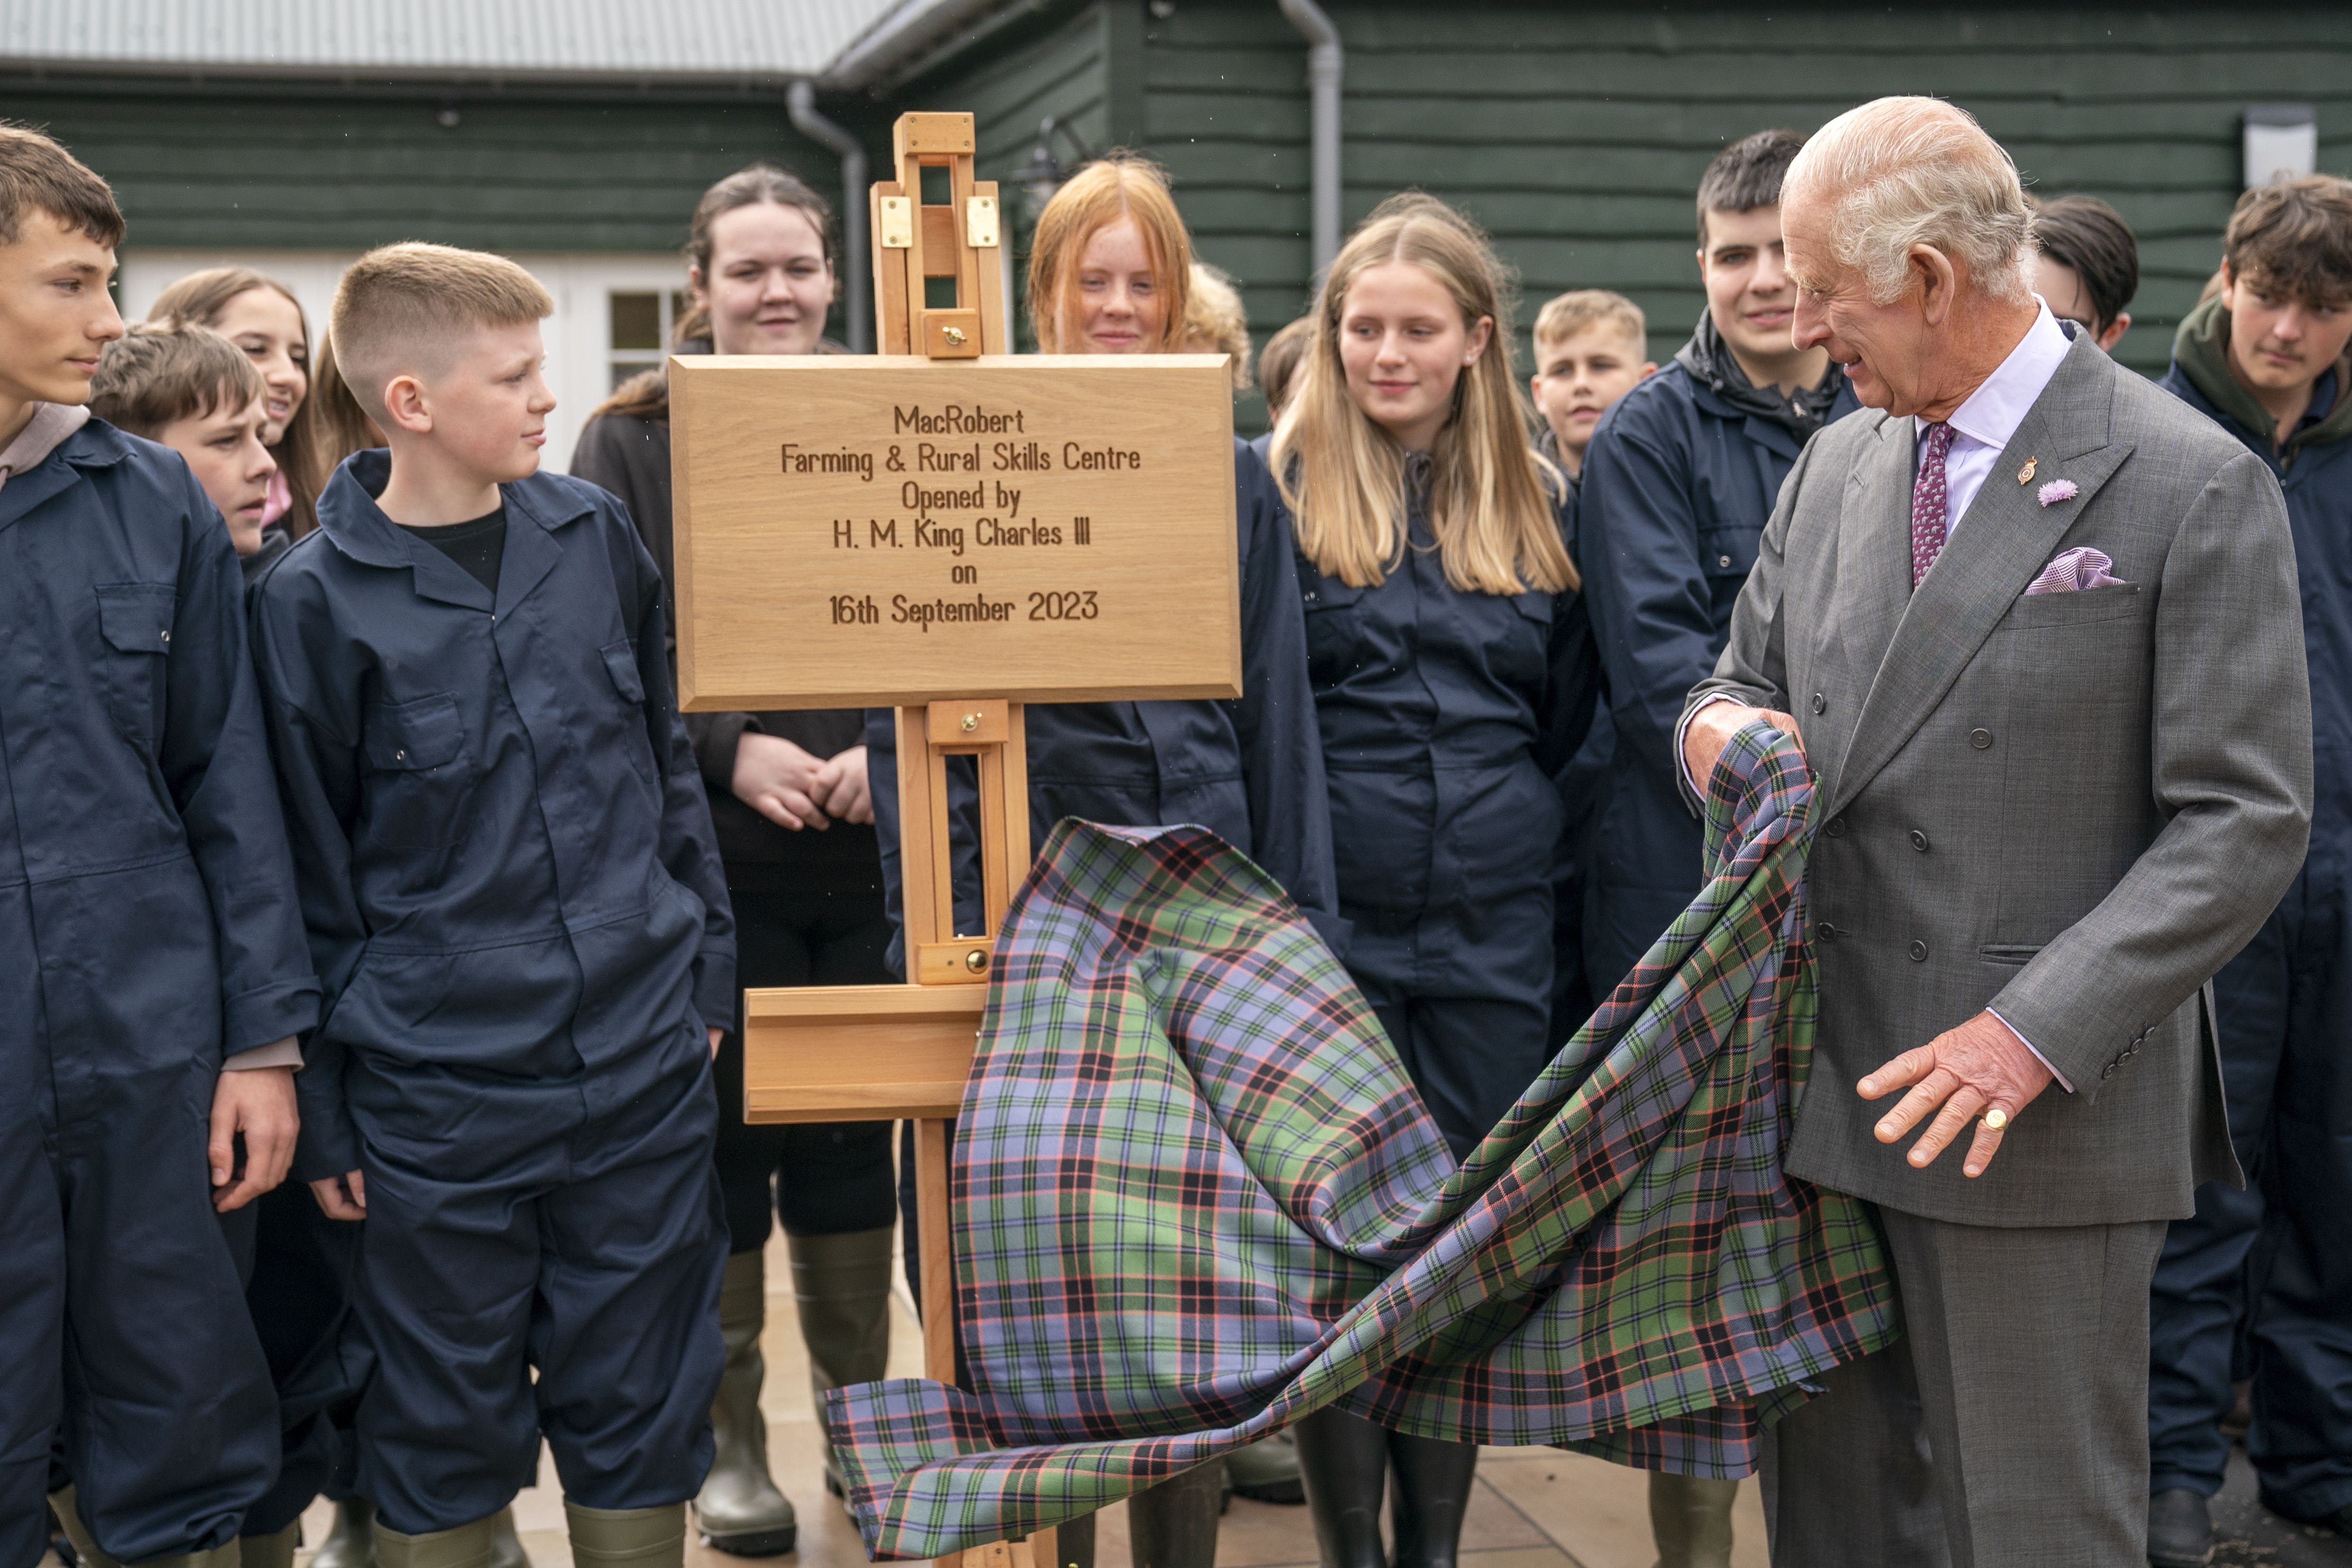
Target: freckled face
pixel 1120 308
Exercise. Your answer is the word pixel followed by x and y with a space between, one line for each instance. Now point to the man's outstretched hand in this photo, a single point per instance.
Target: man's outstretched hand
pixel 1711 729
pixel 1969 1071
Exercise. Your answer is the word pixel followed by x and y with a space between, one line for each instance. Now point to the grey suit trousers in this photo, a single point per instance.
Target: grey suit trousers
pixel 2008 1426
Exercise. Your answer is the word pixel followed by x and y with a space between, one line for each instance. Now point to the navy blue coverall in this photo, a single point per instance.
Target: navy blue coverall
pixel 1446 716
pixel 1678 483
pixel 514 900
pixel 1250 768
pixel 148 928
pixel 2276 1260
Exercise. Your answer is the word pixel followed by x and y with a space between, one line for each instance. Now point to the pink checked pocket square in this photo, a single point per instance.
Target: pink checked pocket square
pixel 2072 571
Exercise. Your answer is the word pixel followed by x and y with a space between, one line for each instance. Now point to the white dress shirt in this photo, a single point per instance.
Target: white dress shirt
pixel 1982 427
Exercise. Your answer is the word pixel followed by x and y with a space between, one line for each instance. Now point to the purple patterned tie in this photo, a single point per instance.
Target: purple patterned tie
pixel 1927 500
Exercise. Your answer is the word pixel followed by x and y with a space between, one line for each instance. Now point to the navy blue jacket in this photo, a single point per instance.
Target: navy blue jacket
pixel 1445 717
pixel 137 823
pixel 2318 486
pixel 504 851
pixel 1677 486
pixel 1251 770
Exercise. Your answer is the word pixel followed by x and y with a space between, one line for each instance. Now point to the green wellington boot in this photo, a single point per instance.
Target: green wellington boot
pixel 739 1510
pixel 351 1542
pixel 842 1285
pixel 269 1550
pixel 626 1537
pixel 468 1546
pixel 1690 1516
pixel 93 1557
pixel 506 1544
pixel 1267 1470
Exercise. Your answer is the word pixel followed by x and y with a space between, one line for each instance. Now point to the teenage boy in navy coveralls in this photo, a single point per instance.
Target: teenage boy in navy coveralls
pixel 512 892
pixel 148 932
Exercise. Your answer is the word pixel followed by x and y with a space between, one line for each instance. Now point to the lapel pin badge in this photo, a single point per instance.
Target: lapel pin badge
pixel 2025 474
pixel 2055 491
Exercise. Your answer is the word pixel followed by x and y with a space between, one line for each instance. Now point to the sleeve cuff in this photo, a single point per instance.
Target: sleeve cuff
pixel 2022 1040
pixel 258 1019
pixel 284 1053
pixel 1697 787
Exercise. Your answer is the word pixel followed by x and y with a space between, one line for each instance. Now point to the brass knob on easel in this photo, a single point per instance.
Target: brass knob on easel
pixel 976 960
pixel 953 335
pixel 970 723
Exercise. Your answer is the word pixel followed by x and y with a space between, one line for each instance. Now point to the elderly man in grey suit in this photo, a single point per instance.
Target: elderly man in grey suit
pixel 2036 625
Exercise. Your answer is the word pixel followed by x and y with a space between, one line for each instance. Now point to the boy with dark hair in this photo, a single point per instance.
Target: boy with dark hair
pixel 191 389
pixel 2089 267
pixel 512 892
pixel 1679 479
pixel 149 926
pixel 2265 357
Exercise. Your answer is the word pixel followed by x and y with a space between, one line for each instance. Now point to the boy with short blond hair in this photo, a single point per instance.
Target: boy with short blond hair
pixel 2266 358
pixel 157 980
pixel 1591 349
pixel 191 389
pixel 515 900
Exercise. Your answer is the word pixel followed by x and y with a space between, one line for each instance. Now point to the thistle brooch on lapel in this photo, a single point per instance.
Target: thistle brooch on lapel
pixel 2025 474
pixel 2055 491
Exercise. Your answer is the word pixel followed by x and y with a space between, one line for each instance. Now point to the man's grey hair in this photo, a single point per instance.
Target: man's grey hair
pixel 1900 172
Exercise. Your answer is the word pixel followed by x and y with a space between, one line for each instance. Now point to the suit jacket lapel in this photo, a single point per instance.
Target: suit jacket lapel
pixel 2005 538
pixel 1875 549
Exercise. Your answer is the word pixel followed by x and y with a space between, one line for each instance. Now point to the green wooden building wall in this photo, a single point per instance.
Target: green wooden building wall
pixel 1576 132
pixel 317 166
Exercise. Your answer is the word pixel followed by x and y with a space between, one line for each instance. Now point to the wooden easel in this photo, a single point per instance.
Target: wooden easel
pixel 866 1053
pixel 948 530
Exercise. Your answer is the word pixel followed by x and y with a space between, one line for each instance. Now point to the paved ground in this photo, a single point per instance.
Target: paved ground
pixel 1534 1507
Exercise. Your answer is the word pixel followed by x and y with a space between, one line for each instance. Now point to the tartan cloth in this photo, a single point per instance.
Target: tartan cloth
pixel 1196 1197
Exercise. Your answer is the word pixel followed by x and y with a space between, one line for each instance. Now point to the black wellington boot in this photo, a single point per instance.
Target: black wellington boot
pixel 1174 1524
pixel 1343 1460
pixel 1432 1494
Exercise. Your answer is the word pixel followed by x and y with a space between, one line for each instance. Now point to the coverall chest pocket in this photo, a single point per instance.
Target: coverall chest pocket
pixel 418 773
pixel 1524 652
pixel 135 620
pixel 621 664
pixel 1334 640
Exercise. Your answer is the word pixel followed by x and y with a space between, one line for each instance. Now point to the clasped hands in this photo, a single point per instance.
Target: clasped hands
pixel 1979 1066
pixel 793 789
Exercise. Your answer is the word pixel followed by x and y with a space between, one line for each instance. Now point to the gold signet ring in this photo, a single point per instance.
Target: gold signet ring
pixel 1995 1118
pixel 2025 474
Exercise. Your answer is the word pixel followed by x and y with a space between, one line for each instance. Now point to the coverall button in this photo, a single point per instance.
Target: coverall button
pixel 1918 841
pixel 1980 739
pixel 167 634
pixel 401 755
pixel 1723 561
pixel 1819 702
pixel 1918 953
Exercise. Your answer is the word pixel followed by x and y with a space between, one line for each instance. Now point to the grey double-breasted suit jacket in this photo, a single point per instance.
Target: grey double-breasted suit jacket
pixel 2073 808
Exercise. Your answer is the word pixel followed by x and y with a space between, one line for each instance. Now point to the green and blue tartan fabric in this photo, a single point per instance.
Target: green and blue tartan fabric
pixel 1196 1197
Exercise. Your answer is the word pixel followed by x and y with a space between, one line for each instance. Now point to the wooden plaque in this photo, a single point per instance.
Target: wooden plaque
pixel 882 531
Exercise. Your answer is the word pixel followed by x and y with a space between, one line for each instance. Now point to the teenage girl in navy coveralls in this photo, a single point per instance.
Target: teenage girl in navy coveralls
pixel 1454 677
pixel 1109 270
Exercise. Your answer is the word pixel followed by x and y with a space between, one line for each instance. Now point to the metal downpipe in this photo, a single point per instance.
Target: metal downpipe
pixel 1326 61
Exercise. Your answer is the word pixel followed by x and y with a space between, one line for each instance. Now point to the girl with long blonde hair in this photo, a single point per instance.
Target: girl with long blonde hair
pixel 1454 677
pixel 261 316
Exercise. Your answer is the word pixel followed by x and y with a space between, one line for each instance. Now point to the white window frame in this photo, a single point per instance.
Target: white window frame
pixel 580 354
